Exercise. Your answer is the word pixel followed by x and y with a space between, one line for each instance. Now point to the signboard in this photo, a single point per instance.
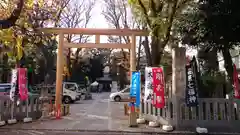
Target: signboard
pixel 148 93
pixel 135 87
pixel 13 84
pixel 191 84
pixel 22 84
pixel 158 87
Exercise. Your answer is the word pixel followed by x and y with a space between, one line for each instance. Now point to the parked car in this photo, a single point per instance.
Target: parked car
pixel 5 93
pixel 120 95
pixel 5 90
pixel 70 92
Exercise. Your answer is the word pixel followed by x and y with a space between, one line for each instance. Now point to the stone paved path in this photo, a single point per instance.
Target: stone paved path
pixel 88 117
pixel 43 132
pixel 96 114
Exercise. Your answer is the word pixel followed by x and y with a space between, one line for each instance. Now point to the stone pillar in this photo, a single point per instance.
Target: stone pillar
pixel 178 81
pixel 44 98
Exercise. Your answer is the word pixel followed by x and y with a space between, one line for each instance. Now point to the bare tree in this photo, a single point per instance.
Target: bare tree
pixel 118 16
pixel 76 15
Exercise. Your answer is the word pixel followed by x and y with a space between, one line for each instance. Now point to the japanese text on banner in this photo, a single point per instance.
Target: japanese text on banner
pixel 135 87
pixel 158 88
pixel 191 93
pixel 13 84
pixel 148 93
pixel 22 84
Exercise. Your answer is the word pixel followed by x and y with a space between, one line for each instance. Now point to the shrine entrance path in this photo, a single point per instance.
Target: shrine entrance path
pixel 96 114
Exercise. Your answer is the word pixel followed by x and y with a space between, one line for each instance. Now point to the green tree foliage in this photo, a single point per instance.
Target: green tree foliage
pixel 159 15
pixel 214 25
pixel 26 45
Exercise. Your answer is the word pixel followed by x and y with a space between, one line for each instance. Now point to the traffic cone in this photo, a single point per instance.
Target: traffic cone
pixel 132 108
pixel 58 113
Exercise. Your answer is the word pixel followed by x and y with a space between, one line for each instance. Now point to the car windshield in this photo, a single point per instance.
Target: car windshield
pixel 125 90
pixel 5 87
pixel 71 86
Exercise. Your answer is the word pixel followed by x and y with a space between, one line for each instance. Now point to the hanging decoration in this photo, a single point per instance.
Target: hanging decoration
pixel 191 84
pixel 235 82
pixel 22 84
pixel 148 93
pixel 13 84
pixel 158 87
pixel 135 87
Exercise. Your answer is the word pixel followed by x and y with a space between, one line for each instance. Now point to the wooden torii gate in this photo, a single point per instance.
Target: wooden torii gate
pixel 97 33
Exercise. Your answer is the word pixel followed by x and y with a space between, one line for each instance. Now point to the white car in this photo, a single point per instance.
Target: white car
pixel 120 95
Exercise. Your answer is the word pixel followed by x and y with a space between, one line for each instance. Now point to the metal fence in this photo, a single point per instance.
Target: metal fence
pixel 213 113
pixel 10 110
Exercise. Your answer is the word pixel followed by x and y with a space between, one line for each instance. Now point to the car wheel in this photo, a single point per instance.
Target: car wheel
pixel 67 100
pixel 117 99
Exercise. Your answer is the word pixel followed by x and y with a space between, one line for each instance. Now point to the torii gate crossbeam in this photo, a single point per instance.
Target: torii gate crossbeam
pixel 97 32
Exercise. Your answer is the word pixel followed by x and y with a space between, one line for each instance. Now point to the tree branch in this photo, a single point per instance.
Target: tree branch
pixel 145 13
pixel 170 22
pixel 9 22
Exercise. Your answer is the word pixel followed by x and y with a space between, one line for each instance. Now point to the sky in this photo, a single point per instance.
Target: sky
pixel 98 21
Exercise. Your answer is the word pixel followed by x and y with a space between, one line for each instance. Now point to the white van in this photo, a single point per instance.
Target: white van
pixel 71 92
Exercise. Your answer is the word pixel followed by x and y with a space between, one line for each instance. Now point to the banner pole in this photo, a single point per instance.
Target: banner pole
pixel 27 107
pixel 12 109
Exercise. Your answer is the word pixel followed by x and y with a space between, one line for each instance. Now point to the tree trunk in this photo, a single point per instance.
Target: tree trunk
pixel 157 51
pixel 69 64
pixel 6 72
pixel 209 60
pixel 147 51
pixel 139 55
pixel 228 63
pixel 209 65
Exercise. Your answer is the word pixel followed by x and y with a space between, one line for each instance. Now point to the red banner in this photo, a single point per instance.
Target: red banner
pixel 158 88
pixel 235 82
pixel 22 83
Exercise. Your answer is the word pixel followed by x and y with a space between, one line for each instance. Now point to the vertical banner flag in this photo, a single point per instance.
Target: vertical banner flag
pixel 135 87
pixel 13 84
pixel 158 87
pixel 191 84
pixel 235 82
pixel 22 84
pixel 148 93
